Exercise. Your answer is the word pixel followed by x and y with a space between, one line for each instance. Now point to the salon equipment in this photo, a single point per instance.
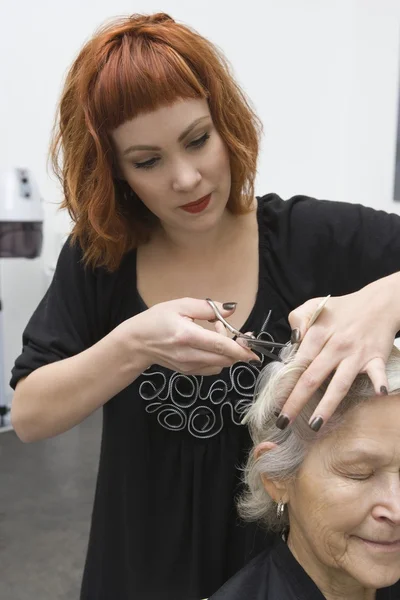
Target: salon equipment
pixel 318 311
pixel 21 220
pixel 263 346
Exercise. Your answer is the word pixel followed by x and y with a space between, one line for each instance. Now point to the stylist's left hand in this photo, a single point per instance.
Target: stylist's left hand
pixel 353 334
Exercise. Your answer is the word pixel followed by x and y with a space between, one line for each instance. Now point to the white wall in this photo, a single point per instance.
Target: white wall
pixel 323 75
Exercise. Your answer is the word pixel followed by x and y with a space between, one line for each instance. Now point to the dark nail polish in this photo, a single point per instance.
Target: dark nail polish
pixel 255 363
pixel 212 320
pixel 229 305
pixel 282 421
pixel 384 390
pixel 295 337
pixel 316 423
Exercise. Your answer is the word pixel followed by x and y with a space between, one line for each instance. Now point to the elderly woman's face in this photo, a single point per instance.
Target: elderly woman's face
pixel 344 507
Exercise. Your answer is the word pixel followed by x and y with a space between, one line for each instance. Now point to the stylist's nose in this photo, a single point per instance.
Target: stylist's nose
pixel 186 177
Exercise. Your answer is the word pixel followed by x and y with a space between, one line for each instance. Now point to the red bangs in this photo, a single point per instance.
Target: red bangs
pixel 140 76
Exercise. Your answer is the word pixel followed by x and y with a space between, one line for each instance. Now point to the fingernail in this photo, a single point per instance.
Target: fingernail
pixel 229 305
pixel 316 423
pixel 255 363
pixel 295 337
pixel 384 390
pixel 282 421
pixel 212 320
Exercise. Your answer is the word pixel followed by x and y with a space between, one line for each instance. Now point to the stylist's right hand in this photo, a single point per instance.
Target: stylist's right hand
pixel 168 336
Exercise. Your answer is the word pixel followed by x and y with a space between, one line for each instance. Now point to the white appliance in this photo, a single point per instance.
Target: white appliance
pixel 21 236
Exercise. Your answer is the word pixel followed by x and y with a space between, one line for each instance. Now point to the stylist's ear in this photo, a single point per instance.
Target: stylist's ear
pixel 277 490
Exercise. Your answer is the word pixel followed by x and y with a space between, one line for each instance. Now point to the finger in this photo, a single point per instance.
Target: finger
pixel 220 328
pixel 307 315
pixel 338 388
pixel 201 310
pixel 208 371
pixel 201 358
pixel 314 374
pixel 211 342
pixel 300 317
pixel 376 371
pixel 194 370
pixel 197 360
pixel 241 341
pixel 314 342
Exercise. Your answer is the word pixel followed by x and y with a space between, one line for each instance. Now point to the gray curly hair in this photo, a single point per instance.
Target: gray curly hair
pixel 282 463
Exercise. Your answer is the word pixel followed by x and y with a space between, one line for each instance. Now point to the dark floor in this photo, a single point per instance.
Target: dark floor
pixel 46 497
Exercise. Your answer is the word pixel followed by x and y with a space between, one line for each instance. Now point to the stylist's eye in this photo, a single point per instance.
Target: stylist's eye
pixel 147 164
pixel 197 143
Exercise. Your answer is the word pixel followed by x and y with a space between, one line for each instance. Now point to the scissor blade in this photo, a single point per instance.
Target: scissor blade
pixel 262 350
pixel 264 343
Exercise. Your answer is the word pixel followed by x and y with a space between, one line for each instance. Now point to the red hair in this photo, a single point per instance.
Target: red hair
pixel 130 66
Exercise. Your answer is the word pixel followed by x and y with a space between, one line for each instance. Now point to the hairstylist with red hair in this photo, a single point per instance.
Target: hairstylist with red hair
pixel 159 152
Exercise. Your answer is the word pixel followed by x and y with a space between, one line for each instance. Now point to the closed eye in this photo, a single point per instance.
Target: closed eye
pixel 360 477
pixel 148 164
pixel 197 143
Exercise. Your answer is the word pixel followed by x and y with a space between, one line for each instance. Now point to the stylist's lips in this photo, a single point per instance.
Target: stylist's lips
pixel 197 206
pixel 381 546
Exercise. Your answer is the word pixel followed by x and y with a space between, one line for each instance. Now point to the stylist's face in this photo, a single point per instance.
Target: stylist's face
pixel 344 507
pixel 172 157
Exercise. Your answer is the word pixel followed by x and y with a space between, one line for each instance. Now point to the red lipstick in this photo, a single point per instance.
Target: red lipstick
pixel 197 206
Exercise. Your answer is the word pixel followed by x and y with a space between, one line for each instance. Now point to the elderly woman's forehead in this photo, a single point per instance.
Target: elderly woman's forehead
pixel 371 413
pixel 372 428
pixel 366 449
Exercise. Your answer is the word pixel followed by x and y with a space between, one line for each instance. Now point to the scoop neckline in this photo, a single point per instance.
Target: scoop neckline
pixel 246 325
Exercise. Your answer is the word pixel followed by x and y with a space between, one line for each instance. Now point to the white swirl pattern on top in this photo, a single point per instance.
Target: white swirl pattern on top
pixel 189 402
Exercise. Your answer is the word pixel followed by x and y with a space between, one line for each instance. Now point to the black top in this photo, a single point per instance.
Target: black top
pixel 276 575
pixel 164 521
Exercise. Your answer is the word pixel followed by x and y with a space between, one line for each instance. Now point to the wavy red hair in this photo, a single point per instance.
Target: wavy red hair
pixel 130 66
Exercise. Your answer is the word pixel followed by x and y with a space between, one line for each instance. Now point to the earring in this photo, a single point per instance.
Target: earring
pixel 280 509
pixel 129 194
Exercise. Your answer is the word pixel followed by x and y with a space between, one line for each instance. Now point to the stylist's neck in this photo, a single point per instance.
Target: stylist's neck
pixel 195 241
pixel 333 583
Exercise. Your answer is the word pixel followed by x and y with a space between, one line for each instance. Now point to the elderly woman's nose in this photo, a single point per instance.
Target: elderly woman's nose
pixel 388 507
pixel 185 177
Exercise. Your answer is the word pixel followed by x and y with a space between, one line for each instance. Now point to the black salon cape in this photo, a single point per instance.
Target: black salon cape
pixel 164 521
pixel 276 575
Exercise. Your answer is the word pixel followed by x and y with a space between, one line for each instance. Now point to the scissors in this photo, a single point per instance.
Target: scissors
pixel 262 346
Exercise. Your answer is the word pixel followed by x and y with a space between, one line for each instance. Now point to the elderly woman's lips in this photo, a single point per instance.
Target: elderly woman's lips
pixel 382 546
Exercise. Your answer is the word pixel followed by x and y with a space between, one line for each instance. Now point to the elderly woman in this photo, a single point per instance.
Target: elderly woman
pixel 333 498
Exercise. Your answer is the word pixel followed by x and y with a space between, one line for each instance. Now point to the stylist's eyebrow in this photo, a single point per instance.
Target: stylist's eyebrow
pixel 182 136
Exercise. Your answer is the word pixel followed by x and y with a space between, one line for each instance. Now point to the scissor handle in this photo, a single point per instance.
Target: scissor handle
pixel 250 339
pixel 223 321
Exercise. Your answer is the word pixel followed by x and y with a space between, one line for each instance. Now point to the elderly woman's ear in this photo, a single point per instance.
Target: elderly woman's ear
pixel 263 448
pixel 277 490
